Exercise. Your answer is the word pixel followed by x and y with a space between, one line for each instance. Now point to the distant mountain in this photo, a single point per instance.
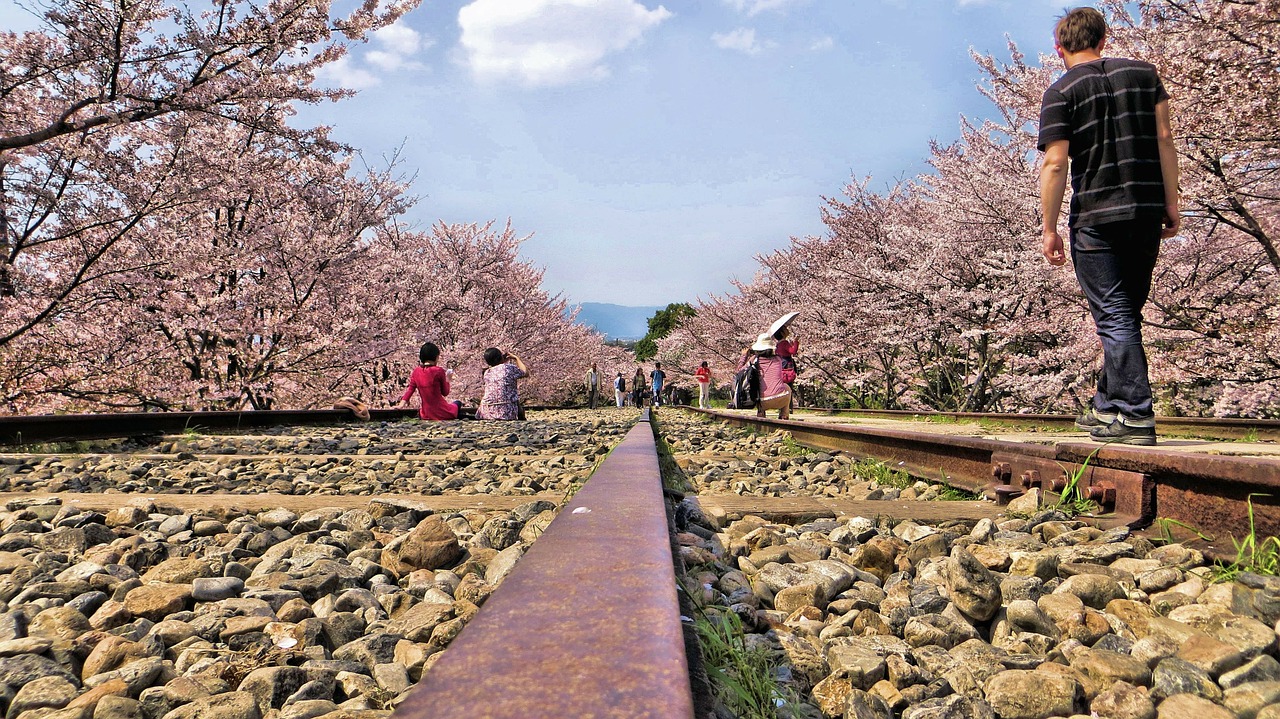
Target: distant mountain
pixel 616 322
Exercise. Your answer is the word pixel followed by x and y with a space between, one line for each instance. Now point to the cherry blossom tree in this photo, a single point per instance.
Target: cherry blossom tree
pixel 83 160
pixel 932 295
pixel 465 287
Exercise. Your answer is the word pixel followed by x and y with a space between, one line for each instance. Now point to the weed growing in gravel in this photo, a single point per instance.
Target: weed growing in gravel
pixel 876 471
pixel 673 477
pixel 1072 500
pixel 1259 557
pixel 1165 526
pixel 954 494
pixel 742 677
pixel 791 448
pixel 73 447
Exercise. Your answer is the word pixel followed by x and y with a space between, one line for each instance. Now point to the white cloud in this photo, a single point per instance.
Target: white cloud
pixel 550 42
pixel 755 7
pixel 822 44
pixel 742 39
pixel 396 47
pixel 344 73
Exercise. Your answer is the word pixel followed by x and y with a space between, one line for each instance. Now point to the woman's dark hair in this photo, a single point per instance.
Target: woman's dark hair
pixel 428 353
pixel 494 356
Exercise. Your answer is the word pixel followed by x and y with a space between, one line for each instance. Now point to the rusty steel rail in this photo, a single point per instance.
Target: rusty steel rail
pixel 588 622
pixel 31 429
pixel 1207 427
pixel 71 427
pixel 1134 485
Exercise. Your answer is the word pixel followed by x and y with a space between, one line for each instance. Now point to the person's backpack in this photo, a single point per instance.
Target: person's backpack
pixel 745 392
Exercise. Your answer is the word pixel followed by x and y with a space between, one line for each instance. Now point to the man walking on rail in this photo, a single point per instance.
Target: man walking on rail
pixel 1109 117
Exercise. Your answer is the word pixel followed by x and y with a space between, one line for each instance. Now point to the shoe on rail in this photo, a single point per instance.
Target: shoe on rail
pixel 1127 430
pixel 1093 419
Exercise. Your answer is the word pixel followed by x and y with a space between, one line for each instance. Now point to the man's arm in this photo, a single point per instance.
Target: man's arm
pixel 1053 183
pixel 1168 169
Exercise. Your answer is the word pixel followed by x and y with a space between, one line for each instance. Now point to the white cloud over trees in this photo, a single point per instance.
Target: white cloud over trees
pixel 542 43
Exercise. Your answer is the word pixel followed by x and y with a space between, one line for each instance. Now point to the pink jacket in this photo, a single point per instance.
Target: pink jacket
pixel 432 385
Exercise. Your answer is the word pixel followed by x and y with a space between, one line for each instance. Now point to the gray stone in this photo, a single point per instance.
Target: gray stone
pixel 231 705
pixel 502 564
pixel 18 671
pixel 116 707
pixel 952 707
pixel 1246 700
pixel 1190 706
pixel 1123 701
pixel 216 589
pixel 271 686
pixel 370 650
pixel 1175 676
pixel 42 693
pixel 1020 694
pixel 1095 590
pixel 974 590
pixel 1259 669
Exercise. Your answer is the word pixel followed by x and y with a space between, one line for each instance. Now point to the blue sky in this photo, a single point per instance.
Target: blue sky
pixel 652 148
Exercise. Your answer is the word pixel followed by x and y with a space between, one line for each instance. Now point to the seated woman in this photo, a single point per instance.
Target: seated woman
pixel 432 384
pixel 774 393
pixel 501 400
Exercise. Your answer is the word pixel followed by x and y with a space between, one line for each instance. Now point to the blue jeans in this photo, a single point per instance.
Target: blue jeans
pixel 1114 263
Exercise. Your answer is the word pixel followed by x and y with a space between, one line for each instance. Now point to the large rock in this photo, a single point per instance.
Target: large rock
pixel 1190 706
pixel 270 686
pixel 973 588
pixel 20 670
pixel 43 693
pixel 231 705
pixel 1021 694
pixel 1123 701
pixel 157 601
pixel 430 545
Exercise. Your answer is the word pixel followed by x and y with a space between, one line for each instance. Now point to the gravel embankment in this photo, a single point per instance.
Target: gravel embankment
pixel 1019 618
pixel 150 612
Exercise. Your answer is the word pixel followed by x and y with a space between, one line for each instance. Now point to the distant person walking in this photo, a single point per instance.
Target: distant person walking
pixel 1108 119
pixel 431 382
pixel 637 388
pixel 593 385
pixel 703 375
pixel 619 389
pixel 501 400
pixel 658 377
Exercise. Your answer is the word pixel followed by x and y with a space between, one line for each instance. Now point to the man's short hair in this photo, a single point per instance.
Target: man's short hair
pixel 1080 29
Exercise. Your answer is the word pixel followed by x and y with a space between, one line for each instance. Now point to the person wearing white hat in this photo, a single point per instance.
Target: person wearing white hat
pixel 774 393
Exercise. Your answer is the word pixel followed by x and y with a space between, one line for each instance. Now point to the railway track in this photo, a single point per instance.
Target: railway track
pixel 1221 495
pixel 589 622
pixel 1196 427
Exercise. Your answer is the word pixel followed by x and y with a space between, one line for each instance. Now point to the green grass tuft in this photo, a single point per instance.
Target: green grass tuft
pixel 1252 555
pixel 742 677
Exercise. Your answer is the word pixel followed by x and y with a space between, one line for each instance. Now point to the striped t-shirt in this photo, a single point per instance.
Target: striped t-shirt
pixel 1107 109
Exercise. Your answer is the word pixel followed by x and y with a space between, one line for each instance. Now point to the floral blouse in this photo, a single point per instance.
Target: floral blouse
pixel 500 400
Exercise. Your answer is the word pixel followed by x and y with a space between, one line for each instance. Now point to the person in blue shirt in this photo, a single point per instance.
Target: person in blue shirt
pixel 658 377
